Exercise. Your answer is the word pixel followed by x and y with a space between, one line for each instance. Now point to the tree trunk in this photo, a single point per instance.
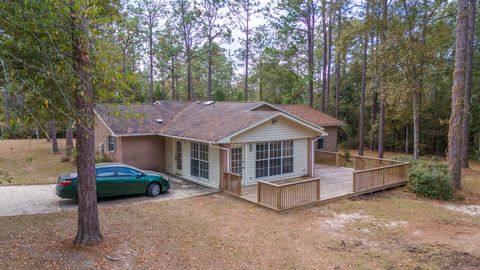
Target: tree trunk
pixel 311 52
pixel 247 53
pixel 337 67
pixel 361 121
pixel 69 143
pixel 189 75
pixel 172 74
pixel 381 124
pixel 53 135
pixel 88 224
pixel 406 140
pixel 469 84
pixel 150 47
pixel 458 91
pixel 323 105
pixel 381 127
pixel 209 91
pixel 329 56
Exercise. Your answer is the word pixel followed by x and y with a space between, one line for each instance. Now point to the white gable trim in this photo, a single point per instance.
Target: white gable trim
pixel 283 111
pixel 321 130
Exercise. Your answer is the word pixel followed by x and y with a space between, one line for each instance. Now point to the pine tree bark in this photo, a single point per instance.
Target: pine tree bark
pixel 210 70
pixel 329 56
pixel 381 124
pixel 172 75
pixel 247 49
pixel 323 105
pixel 150 56
pixel 361 121
pixel 88 230
pixel 472 7
pixel 337 66
pixel 311 51
pixel 53 136
pixel 458 95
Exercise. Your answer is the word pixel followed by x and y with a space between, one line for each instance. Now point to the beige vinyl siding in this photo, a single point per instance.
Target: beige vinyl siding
pixel 213 163
pixel 284 129
pixel 300 162
pixel 169 155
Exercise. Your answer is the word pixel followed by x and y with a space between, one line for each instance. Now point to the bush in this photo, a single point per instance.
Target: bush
pixel 430 179
pixel 102 158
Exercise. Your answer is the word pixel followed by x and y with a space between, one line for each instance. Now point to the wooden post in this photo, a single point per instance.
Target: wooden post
pixel 318 190
pixel 279 198
pixel 354 162
pixel 259 189
pixel 337 157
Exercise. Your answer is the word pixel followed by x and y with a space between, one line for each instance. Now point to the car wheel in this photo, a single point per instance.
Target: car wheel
pixel 154 190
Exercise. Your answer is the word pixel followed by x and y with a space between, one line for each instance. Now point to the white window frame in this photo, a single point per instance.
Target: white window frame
pixel 201 156
pixel 112 144
pixel 269 159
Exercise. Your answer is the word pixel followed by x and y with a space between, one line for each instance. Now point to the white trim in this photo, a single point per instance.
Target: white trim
pixel 186 139
pixel 113 134
pixel 321 130
pixel 137 135
pixel 288 113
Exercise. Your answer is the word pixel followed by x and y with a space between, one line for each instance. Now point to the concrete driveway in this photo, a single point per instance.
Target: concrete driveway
pixel 39 199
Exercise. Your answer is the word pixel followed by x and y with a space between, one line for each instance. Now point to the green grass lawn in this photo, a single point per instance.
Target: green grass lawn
pixel 29 162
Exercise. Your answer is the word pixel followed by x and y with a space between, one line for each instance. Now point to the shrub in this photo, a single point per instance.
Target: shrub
pixel 102 158
pixel 430 179
pixel 347 154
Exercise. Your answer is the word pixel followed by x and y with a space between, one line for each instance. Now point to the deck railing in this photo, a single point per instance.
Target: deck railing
pixel 288 195
pixel 232 183
pixel 331 158
pixel 364 163
pixel 380 177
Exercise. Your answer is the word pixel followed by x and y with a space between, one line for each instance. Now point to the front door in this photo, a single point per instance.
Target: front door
pixel 178 157
pixel 237 162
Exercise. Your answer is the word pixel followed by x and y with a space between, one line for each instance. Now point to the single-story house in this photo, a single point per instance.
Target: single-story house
pixel 198 141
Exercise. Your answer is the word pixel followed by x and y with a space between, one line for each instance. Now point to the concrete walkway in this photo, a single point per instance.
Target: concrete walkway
pixel 40 199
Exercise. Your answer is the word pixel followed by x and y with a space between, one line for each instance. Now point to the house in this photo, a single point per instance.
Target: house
pixel 198 141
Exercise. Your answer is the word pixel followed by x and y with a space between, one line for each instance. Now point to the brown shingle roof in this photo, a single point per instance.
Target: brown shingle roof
pixel 197 120
pixel 311 115
pixel 138 118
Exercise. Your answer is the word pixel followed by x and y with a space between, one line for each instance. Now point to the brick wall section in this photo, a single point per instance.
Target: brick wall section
pixel 330 141
pixel 144 152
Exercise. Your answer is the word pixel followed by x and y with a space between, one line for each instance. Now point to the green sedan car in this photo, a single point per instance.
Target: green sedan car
pixel 115 179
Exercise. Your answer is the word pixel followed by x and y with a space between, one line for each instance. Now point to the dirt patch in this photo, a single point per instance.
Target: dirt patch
pixel 472 210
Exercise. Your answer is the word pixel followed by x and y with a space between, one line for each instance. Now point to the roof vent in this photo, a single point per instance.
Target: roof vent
pixel 157 102
pixel 209 103
pixel 159 120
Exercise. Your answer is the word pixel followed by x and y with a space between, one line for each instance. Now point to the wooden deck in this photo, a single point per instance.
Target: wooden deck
pixel 334 182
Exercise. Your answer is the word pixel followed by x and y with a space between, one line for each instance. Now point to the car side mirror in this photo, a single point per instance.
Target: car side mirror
pixel 140 174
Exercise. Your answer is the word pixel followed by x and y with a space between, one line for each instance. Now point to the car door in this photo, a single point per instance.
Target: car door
pixel 129 181
pixel 106 181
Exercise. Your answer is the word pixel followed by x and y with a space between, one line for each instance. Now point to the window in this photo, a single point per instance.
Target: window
pixel 112 143
pixel 236 160
pixel 273 158
pixel 104 172
pixel 199 160
pixel 320 143
pixel 125 172
pixel 178 155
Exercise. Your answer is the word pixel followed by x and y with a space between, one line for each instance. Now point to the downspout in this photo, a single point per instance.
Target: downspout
pixel 228 154
pixel 313 155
